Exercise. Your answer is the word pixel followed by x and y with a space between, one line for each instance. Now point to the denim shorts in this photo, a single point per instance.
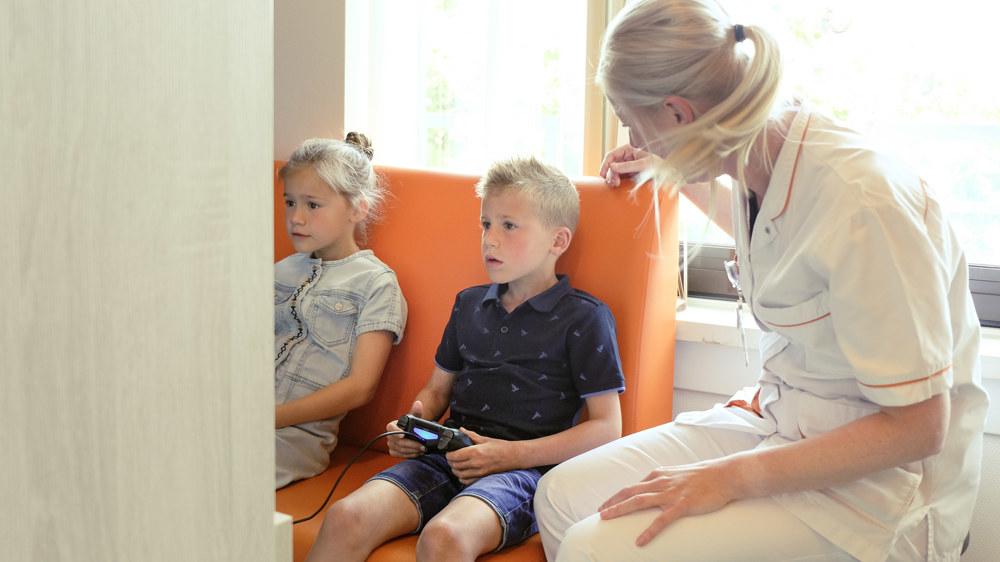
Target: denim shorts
pixel 430 483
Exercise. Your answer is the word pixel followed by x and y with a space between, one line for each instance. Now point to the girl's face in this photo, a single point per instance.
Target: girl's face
pixel 319 221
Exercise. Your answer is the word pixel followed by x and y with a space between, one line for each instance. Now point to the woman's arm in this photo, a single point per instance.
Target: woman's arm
pixel 627 161
pixel 891 437
pixel 370 354
pixel 490 456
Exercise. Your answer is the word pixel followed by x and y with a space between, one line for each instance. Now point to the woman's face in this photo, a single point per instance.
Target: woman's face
pixel 648 128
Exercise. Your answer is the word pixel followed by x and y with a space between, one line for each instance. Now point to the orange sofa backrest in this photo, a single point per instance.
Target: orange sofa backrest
pixel 429 235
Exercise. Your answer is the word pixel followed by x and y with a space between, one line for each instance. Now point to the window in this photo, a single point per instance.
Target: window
pixel 457 84
pixel 913 80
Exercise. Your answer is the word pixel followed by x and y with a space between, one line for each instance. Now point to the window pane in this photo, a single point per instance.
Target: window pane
pixel 459 84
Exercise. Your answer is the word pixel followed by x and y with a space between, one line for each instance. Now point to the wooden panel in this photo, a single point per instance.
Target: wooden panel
pixel 136 407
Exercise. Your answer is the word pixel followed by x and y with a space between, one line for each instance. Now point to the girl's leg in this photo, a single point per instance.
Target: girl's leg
pixel 755 529
pixel 575 489
pixel 356 525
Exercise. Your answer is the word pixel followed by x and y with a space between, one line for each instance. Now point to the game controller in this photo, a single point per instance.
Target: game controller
pixel 436 437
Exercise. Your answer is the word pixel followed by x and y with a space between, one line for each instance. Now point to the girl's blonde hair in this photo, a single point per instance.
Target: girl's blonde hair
pixel 346 167
pixel 554 198
pixel 692 49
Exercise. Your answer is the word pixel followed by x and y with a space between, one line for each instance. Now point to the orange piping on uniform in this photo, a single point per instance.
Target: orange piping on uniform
pixel 800 323
pixel 905 382
pixel 795 167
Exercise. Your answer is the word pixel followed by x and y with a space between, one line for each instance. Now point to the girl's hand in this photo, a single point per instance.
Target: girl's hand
pixel 679 491
pixel 486 456
pixel 401 446
pixel 624 162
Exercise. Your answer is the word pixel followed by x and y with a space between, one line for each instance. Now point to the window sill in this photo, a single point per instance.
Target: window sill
pixel 710 353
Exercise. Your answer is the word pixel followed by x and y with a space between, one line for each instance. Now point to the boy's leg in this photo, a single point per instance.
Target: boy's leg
pixel 493 512
pixel 356 525
pixel 465 529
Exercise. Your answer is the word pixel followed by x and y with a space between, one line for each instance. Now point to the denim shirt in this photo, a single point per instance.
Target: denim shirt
pixel 320 309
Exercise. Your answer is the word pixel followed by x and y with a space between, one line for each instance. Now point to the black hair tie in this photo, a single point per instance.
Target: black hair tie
pixel 738 31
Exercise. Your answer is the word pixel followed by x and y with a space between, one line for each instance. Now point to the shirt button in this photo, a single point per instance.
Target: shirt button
pixel 767 229
pixel 339 306
pixel 503 330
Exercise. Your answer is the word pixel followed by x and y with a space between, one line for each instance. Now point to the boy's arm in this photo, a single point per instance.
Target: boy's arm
pixel 490 456
pixel 370 354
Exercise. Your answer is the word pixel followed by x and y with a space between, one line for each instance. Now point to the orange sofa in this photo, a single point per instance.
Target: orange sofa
pixel 430 236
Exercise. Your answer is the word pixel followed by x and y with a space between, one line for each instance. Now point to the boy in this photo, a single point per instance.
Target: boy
pixel 518 360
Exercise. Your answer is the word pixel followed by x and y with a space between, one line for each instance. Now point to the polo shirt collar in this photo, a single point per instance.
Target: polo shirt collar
pixel 542 302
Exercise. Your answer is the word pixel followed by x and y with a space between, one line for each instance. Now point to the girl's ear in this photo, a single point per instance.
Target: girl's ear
pixel 360 211
pixel 560 243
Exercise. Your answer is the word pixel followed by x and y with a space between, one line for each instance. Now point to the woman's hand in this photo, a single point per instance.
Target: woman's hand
pixel 486 456
pixel 679 491
pixel 624 162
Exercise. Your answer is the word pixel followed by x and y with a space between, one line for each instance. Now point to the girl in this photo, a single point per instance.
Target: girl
pixel 337 309
pixel 863 437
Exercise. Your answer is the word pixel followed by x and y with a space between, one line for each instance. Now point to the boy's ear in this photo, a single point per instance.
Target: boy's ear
pixel 560 243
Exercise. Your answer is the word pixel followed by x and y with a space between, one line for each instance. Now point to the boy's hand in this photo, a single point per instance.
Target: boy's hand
pixel 401 447
pixel 486 456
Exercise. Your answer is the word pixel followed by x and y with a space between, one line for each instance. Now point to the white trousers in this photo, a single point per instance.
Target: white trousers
pixel 757 529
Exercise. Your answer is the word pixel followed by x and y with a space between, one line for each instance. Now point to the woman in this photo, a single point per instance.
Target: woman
pixel 863 436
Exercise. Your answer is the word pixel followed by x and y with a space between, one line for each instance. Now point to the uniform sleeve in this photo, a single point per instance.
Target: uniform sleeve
pixel 593 353
pixel 385 308
pixel 889 305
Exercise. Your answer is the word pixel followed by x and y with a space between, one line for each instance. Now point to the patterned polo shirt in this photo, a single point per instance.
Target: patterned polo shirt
pixel 525 374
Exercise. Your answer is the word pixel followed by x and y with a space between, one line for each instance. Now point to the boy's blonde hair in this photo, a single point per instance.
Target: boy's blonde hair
pixel 346 167
pixel 554 198
pixel 692 49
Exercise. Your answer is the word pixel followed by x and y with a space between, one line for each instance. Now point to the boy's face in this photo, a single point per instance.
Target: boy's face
pixel 319 220
pixel 518 247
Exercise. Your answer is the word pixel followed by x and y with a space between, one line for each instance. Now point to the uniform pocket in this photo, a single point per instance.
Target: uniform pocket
pixel 809 326
pixel 807 323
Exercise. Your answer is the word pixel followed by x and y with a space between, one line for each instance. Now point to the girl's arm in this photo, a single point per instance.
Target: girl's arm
pixel 891 437
pixel 370 354
pixel 490 456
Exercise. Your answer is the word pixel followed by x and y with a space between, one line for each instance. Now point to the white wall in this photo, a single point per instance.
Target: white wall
pixel 136 252
pixel 309 53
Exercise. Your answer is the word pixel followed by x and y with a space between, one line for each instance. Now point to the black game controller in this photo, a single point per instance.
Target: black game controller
pixel 436 437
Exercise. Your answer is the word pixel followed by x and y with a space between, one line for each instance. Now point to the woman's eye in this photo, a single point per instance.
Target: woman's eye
pixel 509 225
pixel 313 206
pixel 484 225
pixel 289 203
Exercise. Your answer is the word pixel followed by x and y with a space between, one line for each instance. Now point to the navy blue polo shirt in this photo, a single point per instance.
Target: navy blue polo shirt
pixel 525 374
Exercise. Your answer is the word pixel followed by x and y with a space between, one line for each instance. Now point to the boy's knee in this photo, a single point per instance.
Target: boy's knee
pixel 440 534
pixel 345 517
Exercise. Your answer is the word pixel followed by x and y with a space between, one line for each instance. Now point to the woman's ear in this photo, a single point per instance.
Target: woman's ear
pixel 679 109
pixel 560 243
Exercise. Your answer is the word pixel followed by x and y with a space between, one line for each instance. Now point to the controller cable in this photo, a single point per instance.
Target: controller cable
pixel 343 472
